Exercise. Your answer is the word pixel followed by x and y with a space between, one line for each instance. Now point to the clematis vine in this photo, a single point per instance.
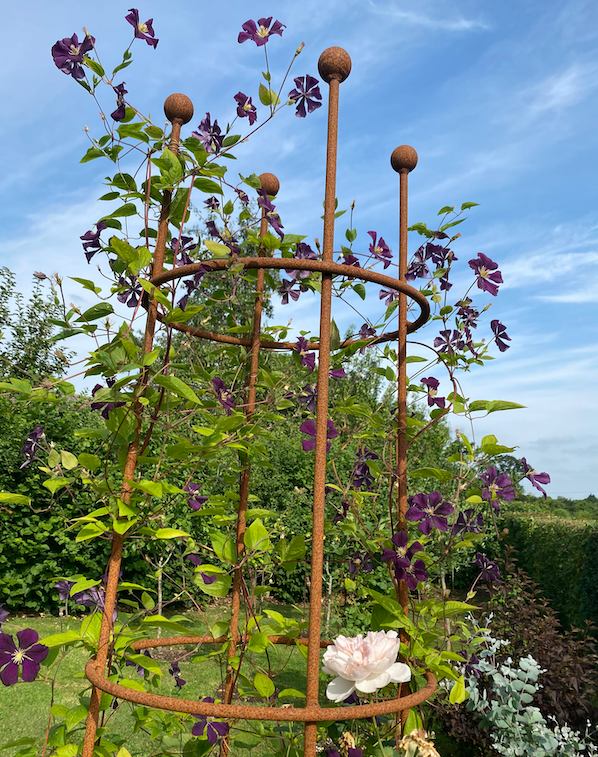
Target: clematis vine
pixel 431 510
pixel 69 53
pixel 307 357
pixel 121 106
pixel 91 240
pixel 432 385
pixel 500 334
pixel 534 477
pixel 225 397
pixel 142 30
pixel 261 31
pixel 209 135
pixel 309 427
pixel 401 557
pixel 212 729
pixel 497 486
pixel 31 445
pixel 363 664
pixel 26 654
pixel 306 95
pixel 195 501
pixel 487 276
pixel 245 108
pixel 379 249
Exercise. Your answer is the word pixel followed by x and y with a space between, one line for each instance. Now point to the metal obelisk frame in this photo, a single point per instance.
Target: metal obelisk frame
pixel 334 66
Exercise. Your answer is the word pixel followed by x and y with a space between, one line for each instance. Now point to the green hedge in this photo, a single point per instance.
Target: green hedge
pixel 560 555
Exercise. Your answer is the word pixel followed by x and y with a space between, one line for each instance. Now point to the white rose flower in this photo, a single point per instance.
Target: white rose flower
pixel 366 664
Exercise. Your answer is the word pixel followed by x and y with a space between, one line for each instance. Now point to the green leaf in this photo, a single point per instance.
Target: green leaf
pixel 217 249
pixel 61 639
pixel 452 223
pixel 68 460
pixel 498 405
pixel 264 685
pixel 264 94
pixel 446 209
pixel 490 446
pixel 133 131
pixel 360 290
pixel 169 533
pixel 335 337
pixel 89 531
pixel 208 186
pixel 224 546
pixel 128 209
pixel 92 154
pixel 100 310
pixel 147 663
pixel 14 499
pixel 291 693
pixel 256 536
pixel 55 484
pixel 75 715
pixel 178 387
pixel 220 587
pixel 97 69
pixel 170 167
pixel 86 284
pixel 160 621
pixel 458 692
pixel 17 385
pixel 453 607
pixel 258 642
pixel 467 205
pixel 441 475
pixel 91 462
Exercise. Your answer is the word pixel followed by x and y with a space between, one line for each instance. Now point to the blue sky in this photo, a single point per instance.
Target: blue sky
pixel 499 100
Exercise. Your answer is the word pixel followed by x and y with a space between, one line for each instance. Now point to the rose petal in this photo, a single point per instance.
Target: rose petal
pixel 339 689
pixel 399 672
pixel 373 683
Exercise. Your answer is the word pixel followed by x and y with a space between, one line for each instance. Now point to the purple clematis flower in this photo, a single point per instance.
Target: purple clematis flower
pixel 245 108
pixel 26 652
pixel 430 510
pixel 380 250
pixel 209 135
pixel 365 332
pixel 31 445
pixel 341 514
pixel 304 252
pixel 307 94
pixel 308 358
pixel 488 276
pixel 195 559
pixel 224 396
pixel 192 285
pixel 489 570
pixel 175 672
pixel 337 374
pixel 212 203
pixel 534 477
pixel 140 669
pixel 285 290
pixel 418 268
pixel 3 614
pixel 468 522
pixel 362 476
pixel 354 752
pixel 104 407
pixel 260 32
pixel 470 667
pixel 497 486
pixel 142 31
pixel 92 598
pixel 213 729
pixel 91 241
pixel 68 55
pixel 391 296
pixel 195 501
pixel 131 293
pixel 360 561
pixel 401 557
pixel 308 397
pixel 226 238
pixel 309 427
pixel 500 333
pixel 181 248
pixel 467 314
pixel 269 209
pixel 242 196
pixel 335 752
pixel 121 106
pixel 448 342
pixel 432 384
pixel 64 589
pixel 440 256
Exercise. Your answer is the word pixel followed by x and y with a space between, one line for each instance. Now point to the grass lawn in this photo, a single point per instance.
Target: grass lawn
pixel 24 708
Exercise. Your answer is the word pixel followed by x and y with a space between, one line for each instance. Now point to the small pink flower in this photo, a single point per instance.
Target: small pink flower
pixel 366 664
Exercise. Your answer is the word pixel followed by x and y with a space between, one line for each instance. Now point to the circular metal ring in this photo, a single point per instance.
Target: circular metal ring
pixel 332 269
pixel 314 714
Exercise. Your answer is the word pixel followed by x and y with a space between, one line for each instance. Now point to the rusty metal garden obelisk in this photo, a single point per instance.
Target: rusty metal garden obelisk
pixel 334 66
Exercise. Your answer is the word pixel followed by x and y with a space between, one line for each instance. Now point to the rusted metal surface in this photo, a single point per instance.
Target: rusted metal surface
pixel 334 66
pixel 314 714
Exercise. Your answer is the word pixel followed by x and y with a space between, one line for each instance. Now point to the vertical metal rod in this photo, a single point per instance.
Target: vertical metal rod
pixel 403 160
pixel 179 110
pixel 334 66
pixel 253 360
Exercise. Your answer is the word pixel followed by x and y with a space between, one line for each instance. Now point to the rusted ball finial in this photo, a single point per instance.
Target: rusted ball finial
pixel 403 159
pixel 334 63
pixel 270 183
pixel 178 106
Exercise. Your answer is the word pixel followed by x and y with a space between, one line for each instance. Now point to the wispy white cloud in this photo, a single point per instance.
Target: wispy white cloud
pixel 456 24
